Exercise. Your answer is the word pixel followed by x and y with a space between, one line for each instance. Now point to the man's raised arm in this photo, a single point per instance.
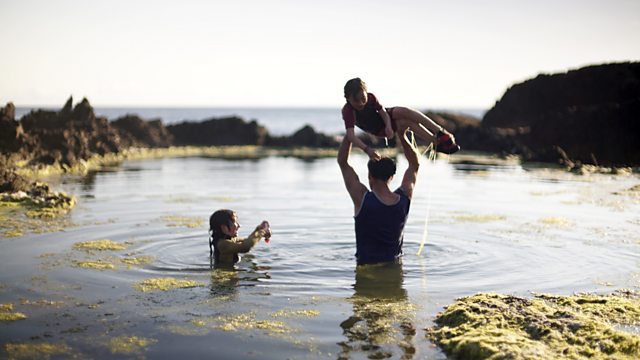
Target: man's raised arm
pixel 411 175
pixel 351 181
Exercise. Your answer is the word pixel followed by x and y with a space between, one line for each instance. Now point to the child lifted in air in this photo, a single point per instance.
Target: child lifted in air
pixel 224 243
pixel 363 110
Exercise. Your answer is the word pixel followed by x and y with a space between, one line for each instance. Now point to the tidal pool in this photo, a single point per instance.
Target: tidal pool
pixel 129 276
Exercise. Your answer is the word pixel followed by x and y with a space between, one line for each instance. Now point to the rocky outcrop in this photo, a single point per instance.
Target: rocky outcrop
pixel 223 131
pixel 11 133
pixel 68 135
pixel 137 132
pixel 590 115
pixel 305 136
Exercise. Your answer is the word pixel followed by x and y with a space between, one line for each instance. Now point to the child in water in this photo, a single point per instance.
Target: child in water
pixel 224 243
pixel 363 110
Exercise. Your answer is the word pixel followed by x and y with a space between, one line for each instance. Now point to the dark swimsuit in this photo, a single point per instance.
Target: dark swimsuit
pixel 368 119
pixel 380 228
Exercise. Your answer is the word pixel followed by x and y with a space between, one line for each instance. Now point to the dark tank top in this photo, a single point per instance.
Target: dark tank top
pixel 380 229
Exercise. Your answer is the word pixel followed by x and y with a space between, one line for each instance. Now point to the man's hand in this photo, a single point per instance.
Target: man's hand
pixel 373 155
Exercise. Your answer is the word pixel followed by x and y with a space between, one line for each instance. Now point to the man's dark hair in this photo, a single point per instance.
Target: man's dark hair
pixel 382 169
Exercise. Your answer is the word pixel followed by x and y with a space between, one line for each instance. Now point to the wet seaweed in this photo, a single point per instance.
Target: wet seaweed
pixel 486 326
pixel 130 344
pixel 36 351
pixel 99 245
pixel 7 314
pixel 165 284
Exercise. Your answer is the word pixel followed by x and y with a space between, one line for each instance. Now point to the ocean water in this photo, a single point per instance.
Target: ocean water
pixel 279 121
pixel 492 227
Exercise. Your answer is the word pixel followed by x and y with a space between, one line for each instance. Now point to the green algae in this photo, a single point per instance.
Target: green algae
pixel 493 326
pixel 196 330
pixel 42 302
pixel 183 221
pixel 164 284
pixel 479 217
pixel 19 216
pixel 7 314
pixel 633 192
pixel 248 321
pixel 137 260
pixel 556 221
pixel 129 344
pixel 290 313
pixel 36 351
pixel 95 264
pixel 99 245
pixel 97 162
pixel 9 317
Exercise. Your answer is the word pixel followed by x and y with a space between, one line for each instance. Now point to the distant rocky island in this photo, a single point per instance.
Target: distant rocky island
pixel 585 116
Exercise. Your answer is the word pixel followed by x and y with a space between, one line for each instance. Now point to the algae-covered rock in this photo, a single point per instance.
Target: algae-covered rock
pixel 36 209
pixel 493 326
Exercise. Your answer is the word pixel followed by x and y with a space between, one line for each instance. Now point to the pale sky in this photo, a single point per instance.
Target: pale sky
pixel 428 54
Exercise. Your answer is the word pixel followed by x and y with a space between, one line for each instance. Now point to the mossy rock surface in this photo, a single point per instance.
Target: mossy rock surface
pixel 494 326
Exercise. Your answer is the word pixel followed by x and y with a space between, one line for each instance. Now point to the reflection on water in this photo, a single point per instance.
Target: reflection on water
pixel 493 227
pixel 383 321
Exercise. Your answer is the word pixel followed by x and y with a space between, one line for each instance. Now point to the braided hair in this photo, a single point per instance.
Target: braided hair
pixel 217 219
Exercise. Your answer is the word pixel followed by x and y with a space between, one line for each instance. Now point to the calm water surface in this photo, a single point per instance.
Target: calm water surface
pixel 491 228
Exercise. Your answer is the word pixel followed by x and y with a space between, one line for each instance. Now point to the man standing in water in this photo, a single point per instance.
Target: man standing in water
pixel 380 214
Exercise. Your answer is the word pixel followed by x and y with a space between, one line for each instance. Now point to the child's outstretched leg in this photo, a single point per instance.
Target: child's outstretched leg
pixel 426 129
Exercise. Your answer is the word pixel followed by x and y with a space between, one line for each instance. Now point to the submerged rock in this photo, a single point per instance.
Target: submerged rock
pixel 493 326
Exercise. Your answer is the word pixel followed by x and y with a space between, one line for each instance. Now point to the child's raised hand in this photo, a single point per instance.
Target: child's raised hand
pixel 267 228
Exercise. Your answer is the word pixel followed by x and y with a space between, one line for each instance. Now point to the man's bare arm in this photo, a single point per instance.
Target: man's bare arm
pixel 411 174
pixel 351 181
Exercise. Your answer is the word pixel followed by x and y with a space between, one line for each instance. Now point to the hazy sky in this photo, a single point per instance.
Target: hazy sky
pixel 300 53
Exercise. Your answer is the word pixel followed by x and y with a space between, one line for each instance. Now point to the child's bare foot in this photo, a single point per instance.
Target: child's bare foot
pixel 446 142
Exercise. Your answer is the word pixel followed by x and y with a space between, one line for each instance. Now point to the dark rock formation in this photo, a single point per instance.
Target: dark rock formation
pixel 11 182
pixel 11 133
pixel 591 115
pixel 68 135
pixel 223 131
pixel 135 131
pixel 305 136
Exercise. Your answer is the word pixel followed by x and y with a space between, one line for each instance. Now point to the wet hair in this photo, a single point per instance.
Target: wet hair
pixel 217 219
pixel 382 169
pixel 353 87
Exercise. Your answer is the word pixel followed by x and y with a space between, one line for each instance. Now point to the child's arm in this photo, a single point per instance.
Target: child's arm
pixel 234 246
pixel 351 136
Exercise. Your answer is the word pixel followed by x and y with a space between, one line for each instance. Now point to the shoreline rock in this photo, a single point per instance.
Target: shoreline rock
pixel 589 115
